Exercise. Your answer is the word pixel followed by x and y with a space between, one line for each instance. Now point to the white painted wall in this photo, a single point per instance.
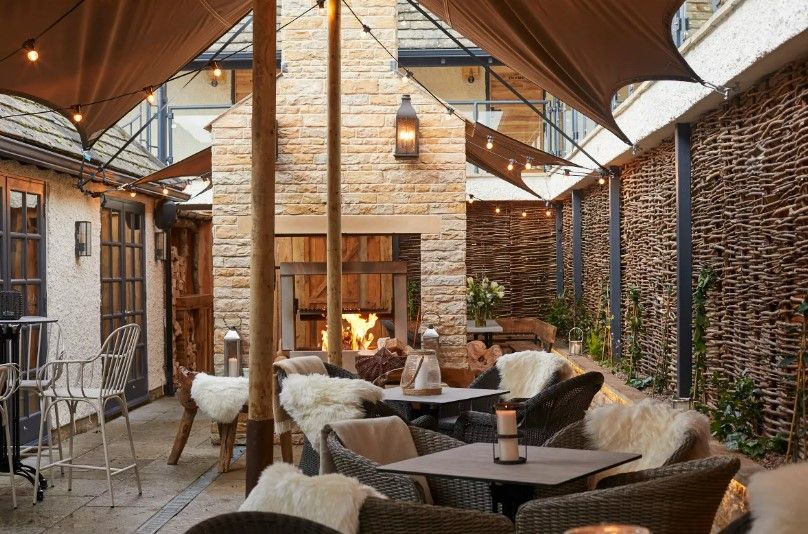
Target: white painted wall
pixel 73 284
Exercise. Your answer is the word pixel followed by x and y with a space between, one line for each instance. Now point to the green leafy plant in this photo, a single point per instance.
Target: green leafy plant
pixel 635 330
pixel 707 279
pixel 640 382
pixel 594 344
pixel 559 314
pixel 737 417
pixel 660 382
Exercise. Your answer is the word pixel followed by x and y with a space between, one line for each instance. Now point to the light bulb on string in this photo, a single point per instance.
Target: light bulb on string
pixel 510 164
pixel 601 180
pixel 405 78
pixel 77 115
pixel 528 163
pixel 321 7
pixel 132 194
pixel 216 69
pixel 497 210
pixel 30 50
pixel 524 214
pixel 471 199
pixel 547 212
pixel 150 96
pixel 489 144
pixel 165 191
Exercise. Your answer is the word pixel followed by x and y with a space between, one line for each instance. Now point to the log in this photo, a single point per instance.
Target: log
pixel 227 433
pixel 184 378
pixel 480 357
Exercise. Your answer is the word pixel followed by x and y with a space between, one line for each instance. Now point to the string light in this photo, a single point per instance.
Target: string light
pixel 601 180
pixel 165 191
pixel 471 199
pixel 77 115
pixel 524 214
pixel 547 211
pixel 132 194
pixel 150 97
pixel 510 164
pixel 497 210
pixel 217 70
pixel 405 78
pixel 321 7
pixel 528 163
pixel 566 172
pixel 30 50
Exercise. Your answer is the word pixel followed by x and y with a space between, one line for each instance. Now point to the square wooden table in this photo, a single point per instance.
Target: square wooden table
pixel 512 485
pixel 447 396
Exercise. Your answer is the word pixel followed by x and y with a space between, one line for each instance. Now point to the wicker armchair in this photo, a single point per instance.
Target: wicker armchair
pixel 541 417
pixel 376 515
pixel 740 525
pixel 309 458
pixel 667 500
pixel 574 437
pixel 456 493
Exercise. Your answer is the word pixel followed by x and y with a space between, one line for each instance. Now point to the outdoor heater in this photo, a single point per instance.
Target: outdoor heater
pixel 406 130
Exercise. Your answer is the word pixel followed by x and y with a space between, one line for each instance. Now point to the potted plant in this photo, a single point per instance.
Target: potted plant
pixel 482 296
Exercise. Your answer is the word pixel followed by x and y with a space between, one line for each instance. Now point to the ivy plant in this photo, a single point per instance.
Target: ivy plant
pixel 707 279
pixel 635 330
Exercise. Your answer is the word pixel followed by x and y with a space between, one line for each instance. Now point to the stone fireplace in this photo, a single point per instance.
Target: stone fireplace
pixel 381 194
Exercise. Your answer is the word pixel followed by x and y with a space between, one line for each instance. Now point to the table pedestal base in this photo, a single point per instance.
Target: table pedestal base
pixel 510 497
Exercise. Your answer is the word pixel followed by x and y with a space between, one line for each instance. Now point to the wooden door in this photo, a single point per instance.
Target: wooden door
pixel 123 287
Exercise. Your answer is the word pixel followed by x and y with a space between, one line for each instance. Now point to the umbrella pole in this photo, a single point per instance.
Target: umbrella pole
pixel 260 423
pixel 334 201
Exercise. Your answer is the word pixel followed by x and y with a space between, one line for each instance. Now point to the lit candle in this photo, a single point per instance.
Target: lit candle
pixel 232 367
pixel 506 426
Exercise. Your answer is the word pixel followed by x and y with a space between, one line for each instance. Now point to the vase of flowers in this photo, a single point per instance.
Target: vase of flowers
pixel 482 296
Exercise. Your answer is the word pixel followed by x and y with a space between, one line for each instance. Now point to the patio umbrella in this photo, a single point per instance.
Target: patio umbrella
pixel 504 150
pixel 92 51
pixel 581 51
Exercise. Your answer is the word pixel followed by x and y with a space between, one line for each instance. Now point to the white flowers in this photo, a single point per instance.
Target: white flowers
pixel 483 296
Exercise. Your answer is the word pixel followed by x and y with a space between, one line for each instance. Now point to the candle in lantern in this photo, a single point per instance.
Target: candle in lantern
pixel 506 426
pixel 232 367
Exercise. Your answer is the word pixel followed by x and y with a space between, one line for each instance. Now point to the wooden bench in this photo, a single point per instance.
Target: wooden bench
pixel 543 334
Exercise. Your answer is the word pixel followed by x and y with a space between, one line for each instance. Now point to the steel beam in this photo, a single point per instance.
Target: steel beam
pixel 614 264
pixel 577 255
pixel 559 247
pixel 684 263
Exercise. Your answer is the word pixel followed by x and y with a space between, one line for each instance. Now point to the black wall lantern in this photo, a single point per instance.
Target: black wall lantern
pixel 406 130
pixel 160 248
pixel 83 243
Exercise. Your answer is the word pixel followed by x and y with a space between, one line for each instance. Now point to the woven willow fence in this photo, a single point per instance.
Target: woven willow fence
pixel 595 245
pixel 566 243
pixel 517 251
pixel 750 222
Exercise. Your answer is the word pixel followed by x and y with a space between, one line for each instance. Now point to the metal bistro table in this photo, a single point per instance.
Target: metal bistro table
pixel 512 485
pixel 10 331
pixel 446 397
pixel 491 327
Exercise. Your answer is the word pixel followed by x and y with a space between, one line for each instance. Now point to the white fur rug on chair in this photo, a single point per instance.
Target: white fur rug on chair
pixel 528 372
pixel 777 500
pixel 331 500
pixel 651 428
pixel 314 401
pixel 220 397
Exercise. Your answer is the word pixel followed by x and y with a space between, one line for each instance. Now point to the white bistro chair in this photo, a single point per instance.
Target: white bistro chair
pixel 41 343
pixel 9 382
pixel 95 381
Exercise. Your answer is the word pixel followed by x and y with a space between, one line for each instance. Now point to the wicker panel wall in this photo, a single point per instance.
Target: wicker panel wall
pixel 514 250
pixel 648 245
pixel 750 222
pixel 595 244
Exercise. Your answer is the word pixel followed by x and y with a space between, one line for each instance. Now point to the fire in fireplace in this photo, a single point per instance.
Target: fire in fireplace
pixel 356 335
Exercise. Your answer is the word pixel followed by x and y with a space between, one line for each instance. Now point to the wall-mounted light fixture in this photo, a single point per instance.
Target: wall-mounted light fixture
pixel 83 242
pixel 160 248
pixel 406 130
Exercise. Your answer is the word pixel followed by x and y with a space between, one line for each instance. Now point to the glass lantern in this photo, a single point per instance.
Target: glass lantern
pixel 430 339
pixel 232 352
pixel 421 375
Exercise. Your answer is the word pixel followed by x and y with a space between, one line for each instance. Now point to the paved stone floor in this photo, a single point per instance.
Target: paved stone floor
pixel 86 508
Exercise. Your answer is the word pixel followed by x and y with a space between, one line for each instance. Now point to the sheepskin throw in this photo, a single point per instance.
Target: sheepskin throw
pixel 302 365
pixel 777 500
pixel 331 500
pixel 221 397
pixel 314 401
pixel 526 373
pixel 651 428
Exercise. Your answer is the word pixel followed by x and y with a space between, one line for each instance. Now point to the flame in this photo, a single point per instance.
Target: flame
pixel 357 335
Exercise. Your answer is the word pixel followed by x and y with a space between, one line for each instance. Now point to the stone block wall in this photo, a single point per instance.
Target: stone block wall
pixel 373 181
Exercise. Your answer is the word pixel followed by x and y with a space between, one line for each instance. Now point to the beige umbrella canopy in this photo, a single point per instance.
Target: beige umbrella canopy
pixel 581 51
pixel 197 164
pixel 505 150
pixel 93 51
